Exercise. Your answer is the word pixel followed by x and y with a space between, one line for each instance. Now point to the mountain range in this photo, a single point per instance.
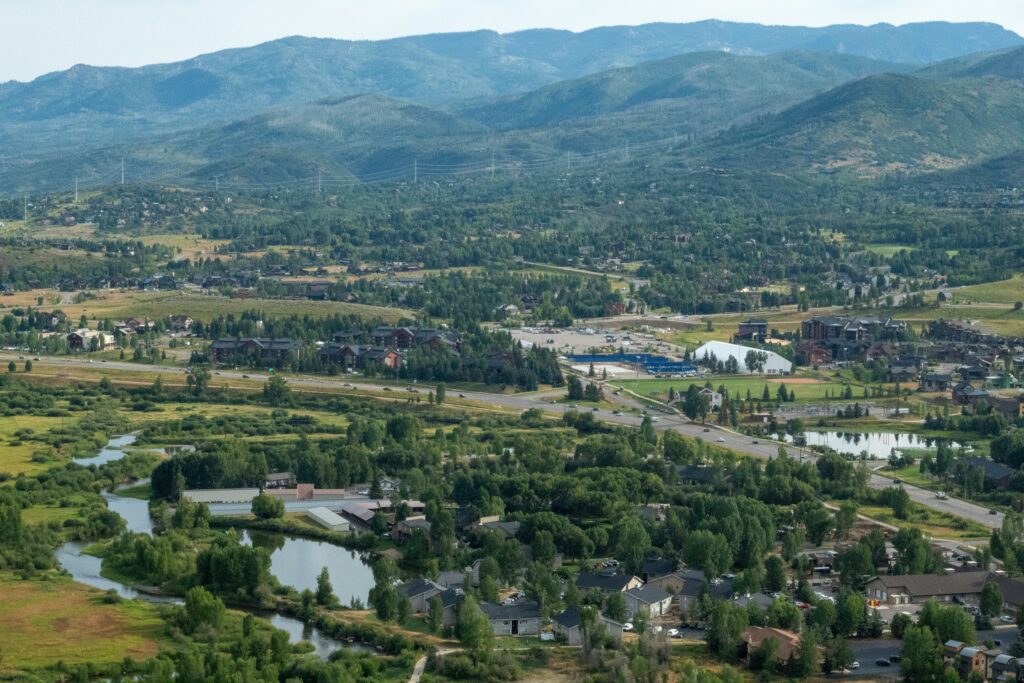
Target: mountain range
pixel 868 99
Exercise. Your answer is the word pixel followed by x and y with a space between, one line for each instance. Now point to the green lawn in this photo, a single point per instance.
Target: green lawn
pixel 1001 292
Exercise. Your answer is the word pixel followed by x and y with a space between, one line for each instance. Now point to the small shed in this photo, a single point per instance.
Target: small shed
pixel 327 519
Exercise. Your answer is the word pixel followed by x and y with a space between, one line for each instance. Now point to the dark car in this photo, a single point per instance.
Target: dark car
pixel 894 658
pixel 993 512
pixel 882 661
pixel 897 481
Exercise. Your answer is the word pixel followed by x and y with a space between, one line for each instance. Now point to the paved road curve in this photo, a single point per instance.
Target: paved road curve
pixel 758 448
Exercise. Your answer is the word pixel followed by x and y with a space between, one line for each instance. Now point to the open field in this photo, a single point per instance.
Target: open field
pixel 806 388
pixel 187 246
pixel 205 308
pixel 930 522
pixel 16 457
pixel 1001 292
pixel 45 622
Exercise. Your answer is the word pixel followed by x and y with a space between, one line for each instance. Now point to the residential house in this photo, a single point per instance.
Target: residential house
pixel 902 373
pixel 255 347
pixel 714 398
pixel 787 642
pixel 403 531
pixel 180 323
pixel 997 475
pixel 84 339
pixel 964 587
pixel 1009 406
pixel 673 583
pixel 569 624
pixel 763 601
pixel 935 382
pixel 607 582
pixel 966 394
pixel 970 660
pixel 695 583
pixel 654 567
pixel 396 337
pixel 419 592
pixel 522 618
pixel 494 523
pixel 653 599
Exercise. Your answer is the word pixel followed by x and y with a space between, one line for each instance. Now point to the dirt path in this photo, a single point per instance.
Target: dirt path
pixel 417 671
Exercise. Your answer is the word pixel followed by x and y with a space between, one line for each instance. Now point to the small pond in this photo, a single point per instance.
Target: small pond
pixel 877 445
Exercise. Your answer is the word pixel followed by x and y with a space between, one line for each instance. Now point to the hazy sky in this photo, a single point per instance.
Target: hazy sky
pixel 40 36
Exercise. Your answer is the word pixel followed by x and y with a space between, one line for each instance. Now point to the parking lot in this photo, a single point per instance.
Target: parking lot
pixel 582 340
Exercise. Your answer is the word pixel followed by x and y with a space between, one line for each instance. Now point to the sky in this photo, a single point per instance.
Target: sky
pixel 40 36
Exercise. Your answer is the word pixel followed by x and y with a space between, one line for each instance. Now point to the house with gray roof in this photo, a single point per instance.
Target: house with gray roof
pixel 655 600
pixel 964 587
pixel 522 618
pixel 569 624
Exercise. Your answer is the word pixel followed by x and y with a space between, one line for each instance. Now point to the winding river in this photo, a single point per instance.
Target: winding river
pixel 85 568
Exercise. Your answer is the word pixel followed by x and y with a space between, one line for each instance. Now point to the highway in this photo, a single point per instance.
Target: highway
pixel 759 448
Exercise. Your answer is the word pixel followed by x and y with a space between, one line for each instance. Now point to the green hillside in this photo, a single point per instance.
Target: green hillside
pixel 707 89
pixel 884 123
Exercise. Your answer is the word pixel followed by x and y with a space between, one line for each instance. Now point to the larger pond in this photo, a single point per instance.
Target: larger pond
pixel 297 562
pixel 871 445
pixel 85 568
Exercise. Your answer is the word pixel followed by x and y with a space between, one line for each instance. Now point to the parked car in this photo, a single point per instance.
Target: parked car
pixel 882 661
pixel 897 481
pixel 628 626
pixel 855 665
pixel 993 512
pixel 1006 619
pixel 720 440
pixel 673 633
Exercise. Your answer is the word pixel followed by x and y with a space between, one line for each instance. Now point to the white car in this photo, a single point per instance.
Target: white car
pixel 1006 619
pixel 855 665
pixel 673 633
pixel 657 629
pixel 720 440
pixel 628 626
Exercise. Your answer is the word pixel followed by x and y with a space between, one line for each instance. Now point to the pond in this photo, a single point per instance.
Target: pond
pixel 297 562
pixel 877 445
pixel 114 450
pixel 85 568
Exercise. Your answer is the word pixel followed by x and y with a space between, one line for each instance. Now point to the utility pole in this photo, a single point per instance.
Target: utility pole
pixel 122 170
pixel 568 161
pixel 216 183
pixel 492 164
pixel 24 215
pixel 415 171
pixel 76 189
pixel 319 183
